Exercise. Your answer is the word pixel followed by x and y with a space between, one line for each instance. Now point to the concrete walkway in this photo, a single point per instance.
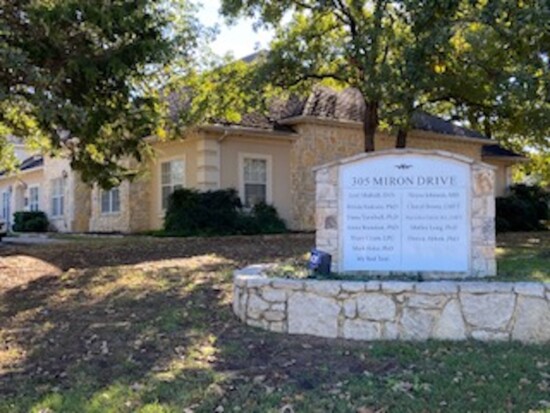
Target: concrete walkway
pixel 31 240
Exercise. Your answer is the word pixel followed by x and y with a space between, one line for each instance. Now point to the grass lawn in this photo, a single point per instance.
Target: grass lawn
pixel 141 324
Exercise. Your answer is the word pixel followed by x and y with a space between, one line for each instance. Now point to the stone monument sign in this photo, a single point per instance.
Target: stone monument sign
pixel 406 212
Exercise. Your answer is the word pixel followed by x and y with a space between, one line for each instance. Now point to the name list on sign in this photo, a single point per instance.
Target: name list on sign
pixel 405 223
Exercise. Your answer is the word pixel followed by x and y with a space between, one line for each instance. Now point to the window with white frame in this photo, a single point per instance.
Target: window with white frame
pixel 34 198
pixel 255 177
pixel 5 205
pixel 58 197
pixel 110 201
pixel 172 178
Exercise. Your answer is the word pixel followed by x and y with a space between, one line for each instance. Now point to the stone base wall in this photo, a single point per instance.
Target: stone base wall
pixel 394 310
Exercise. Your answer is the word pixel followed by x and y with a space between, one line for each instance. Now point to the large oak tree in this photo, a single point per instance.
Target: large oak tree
pixel 406 55
pixel 80 75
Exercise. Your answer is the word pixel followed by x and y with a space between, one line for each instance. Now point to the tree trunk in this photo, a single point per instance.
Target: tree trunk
pixel 401 141
pixel 370 124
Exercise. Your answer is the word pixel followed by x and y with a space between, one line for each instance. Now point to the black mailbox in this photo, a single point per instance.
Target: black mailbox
pixel 319 262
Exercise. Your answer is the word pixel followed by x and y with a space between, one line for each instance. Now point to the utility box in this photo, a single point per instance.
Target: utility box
pixel 319 262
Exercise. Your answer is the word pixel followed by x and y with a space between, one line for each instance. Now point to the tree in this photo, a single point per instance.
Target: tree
pixel 79 75
pixel 497 78
pixel 403 55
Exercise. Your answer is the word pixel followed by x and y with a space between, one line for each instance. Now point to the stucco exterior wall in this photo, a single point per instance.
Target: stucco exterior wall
pixel 60 168
pixel 163 152
pixel 323 142
pixel 278 153
pixel 18 186
pixel 503 175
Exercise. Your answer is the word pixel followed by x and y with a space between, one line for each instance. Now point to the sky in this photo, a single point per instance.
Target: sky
pixel 240 39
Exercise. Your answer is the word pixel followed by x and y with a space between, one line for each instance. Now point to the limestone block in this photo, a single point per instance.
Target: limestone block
pixel 396 287
pixel 257 282
pixel 286 284
pixel 311 314
pixel 362 330
pixel 258 323
pixel 417 324
pixel 237 300
pixel 256 306
pixel 273 295
pixel 372 285
pixel 487 311
pixel 427 301
pixel 326 288
pixel 529 288
pixel 243 298
pixel 532 320
pixel 271 315
pixel 450 325
pixel 376 307
pixel 350 308
pixel 484 335
pixel 322 175
pixel 437 287
pixel 277 326
pixel 483 287
pixel 277 307
pixel 353 287
pixel 483 182
pixel 483 206
pixel 326 192
pixel 390 331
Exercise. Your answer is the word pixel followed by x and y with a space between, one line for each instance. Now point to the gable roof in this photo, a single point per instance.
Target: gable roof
pixel 349 104
pixel 32 162
pixel 498 151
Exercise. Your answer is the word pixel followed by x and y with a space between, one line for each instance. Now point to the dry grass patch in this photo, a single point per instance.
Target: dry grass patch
pixel 146 326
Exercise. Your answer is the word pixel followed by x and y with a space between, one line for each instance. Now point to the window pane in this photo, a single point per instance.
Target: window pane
pixel 61 205
pixel 105 195
pixel 254 194
pixel 115 200
pixel 166 169
pixel 255 171
pixel 178 172
pixel 166 191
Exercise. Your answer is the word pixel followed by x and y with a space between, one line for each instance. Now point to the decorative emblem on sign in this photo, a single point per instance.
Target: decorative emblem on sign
pixel 403 166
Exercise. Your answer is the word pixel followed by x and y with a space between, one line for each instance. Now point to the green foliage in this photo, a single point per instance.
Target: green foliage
pixel 482 62
pixel 79 76
pixel 30 221
pixel 523 210
pixel 220 212
pixel 262 219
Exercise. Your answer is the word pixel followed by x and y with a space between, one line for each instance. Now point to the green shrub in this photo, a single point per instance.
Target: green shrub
pixel 267 219
pixel 523 210
pixel 220 212
pixel 30 221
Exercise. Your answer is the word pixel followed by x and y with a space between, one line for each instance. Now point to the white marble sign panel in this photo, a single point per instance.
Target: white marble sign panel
pixel 405 213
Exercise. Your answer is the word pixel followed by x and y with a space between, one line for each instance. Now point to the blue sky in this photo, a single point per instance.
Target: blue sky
pixel 239 39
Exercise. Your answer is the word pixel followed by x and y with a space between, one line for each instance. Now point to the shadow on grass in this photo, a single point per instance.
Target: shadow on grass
pixel 160 336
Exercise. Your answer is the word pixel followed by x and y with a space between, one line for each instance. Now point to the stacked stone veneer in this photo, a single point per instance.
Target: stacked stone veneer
pixel 482 212
pixel 392 310
pixel 323 140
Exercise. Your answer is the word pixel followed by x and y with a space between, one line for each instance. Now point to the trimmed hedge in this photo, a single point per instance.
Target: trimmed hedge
pixel 30 221
pixel 524 210
pixel 220 212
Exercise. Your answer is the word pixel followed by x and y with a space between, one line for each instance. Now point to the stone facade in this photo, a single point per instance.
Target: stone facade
pixel 392 310
pixel 482 211
pixel 322 141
